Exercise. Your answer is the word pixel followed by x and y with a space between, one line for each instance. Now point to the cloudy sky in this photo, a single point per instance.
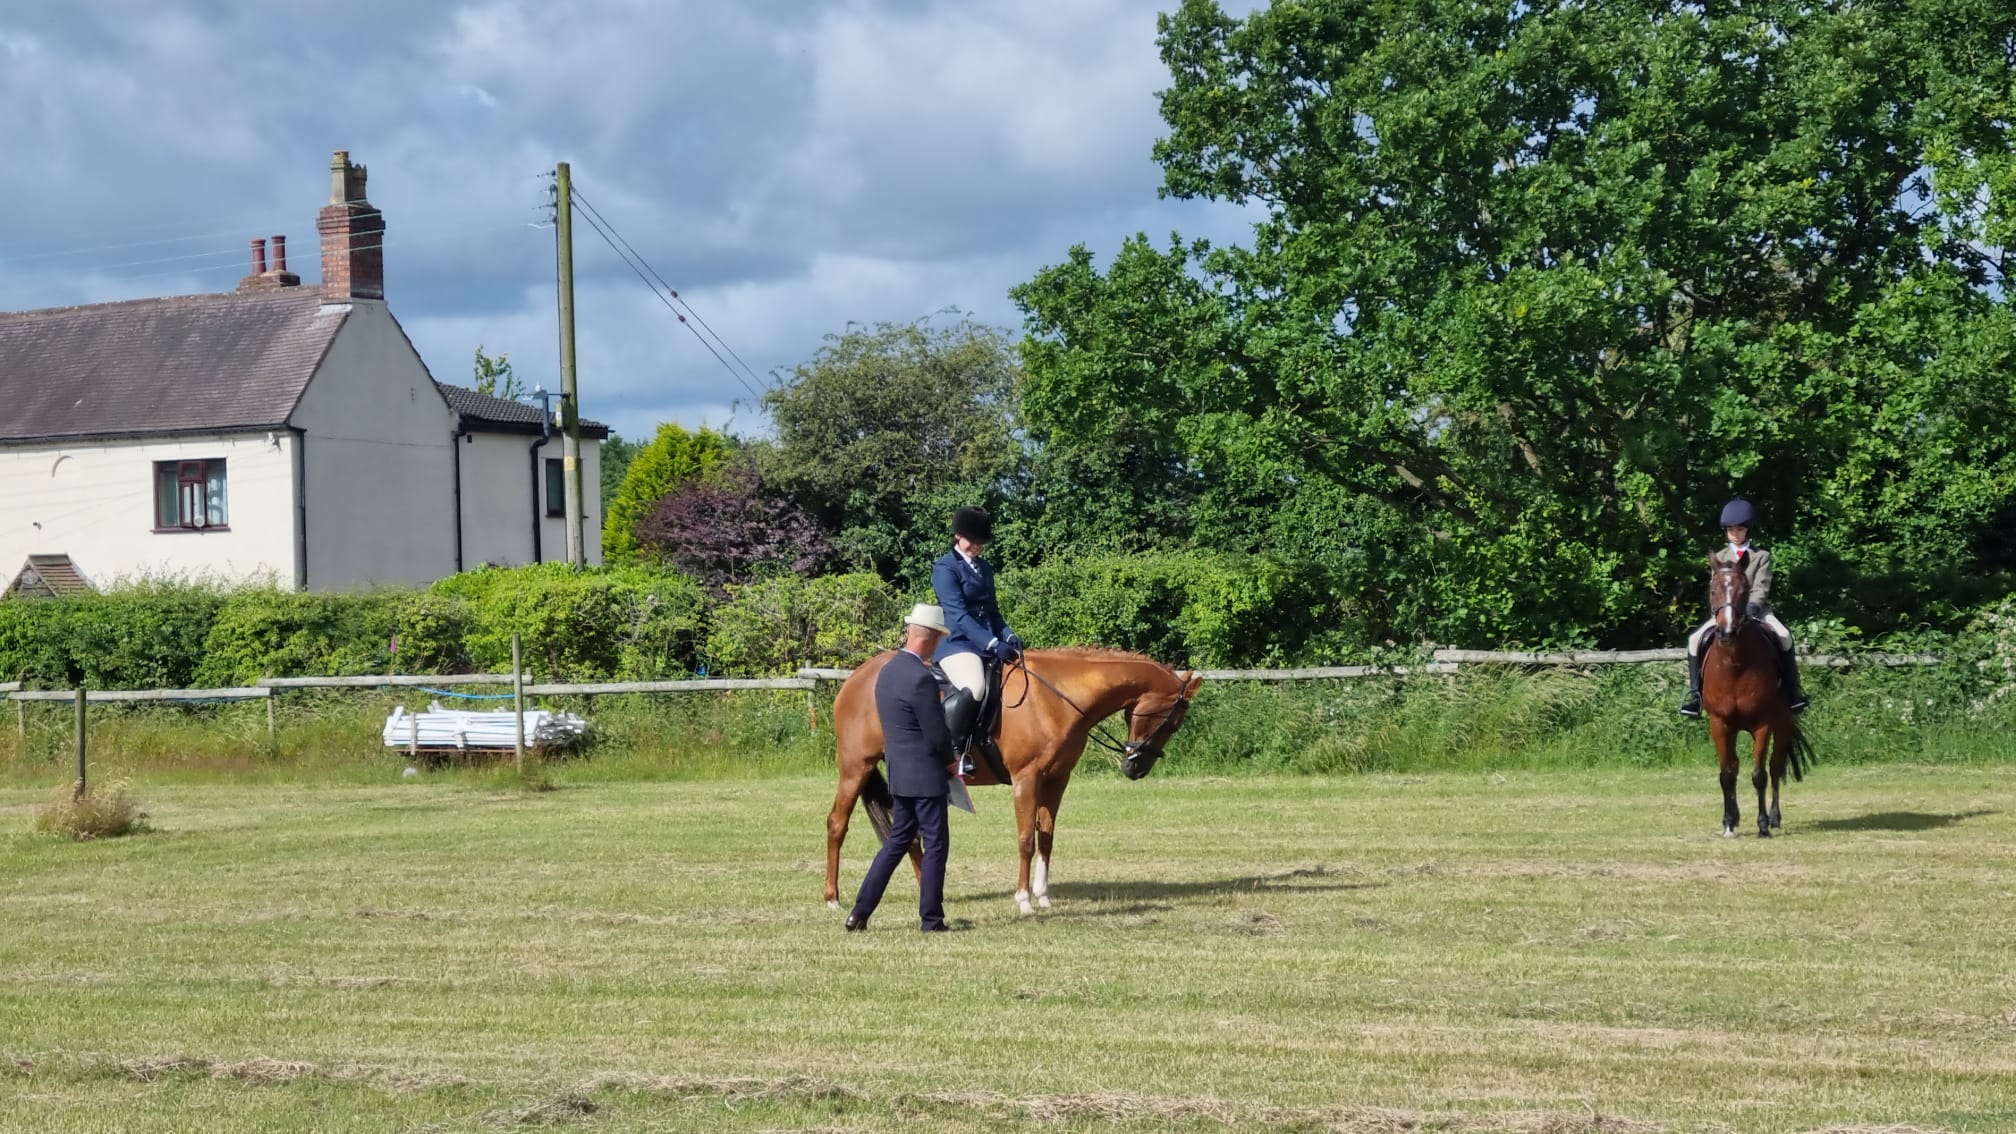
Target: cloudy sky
pixel 790 166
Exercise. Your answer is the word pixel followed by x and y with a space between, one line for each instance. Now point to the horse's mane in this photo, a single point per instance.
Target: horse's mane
pixel 1098 653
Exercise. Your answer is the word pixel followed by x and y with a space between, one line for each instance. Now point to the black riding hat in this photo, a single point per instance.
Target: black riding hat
pixel 1739 513
pixel 974 524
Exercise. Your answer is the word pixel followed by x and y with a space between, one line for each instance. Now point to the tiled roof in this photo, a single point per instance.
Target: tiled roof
pixel 152 366
pixel 492 414
pixel 49 576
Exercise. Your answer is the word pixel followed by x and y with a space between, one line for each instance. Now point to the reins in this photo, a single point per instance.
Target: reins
pixel 1097 733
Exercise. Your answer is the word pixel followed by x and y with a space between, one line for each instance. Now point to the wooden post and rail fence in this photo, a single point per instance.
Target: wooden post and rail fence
pixel 810 679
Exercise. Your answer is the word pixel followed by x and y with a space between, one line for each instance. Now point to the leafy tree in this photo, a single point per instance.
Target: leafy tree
pixel 888 430
pixel 1533 288
pixel 495 376
pixel 668 460
pixel 726 528
pixel 616 454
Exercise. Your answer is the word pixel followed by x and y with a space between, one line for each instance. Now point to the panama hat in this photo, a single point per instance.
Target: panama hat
pixel 928 616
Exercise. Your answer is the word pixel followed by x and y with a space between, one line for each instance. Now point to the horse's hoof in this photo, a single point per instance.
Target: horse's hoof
pixel 1728 832
pixel 1763 830
pixel 1022 902
pixel 832 903
pixel 1043 902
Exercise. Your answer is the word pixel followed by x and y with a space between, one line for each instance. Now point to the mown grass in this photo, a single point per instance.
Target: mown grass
pixel 1558 951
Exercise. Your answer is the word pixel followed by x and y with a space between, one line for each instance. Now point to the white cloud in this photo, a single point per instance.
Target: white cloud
pixel 791 168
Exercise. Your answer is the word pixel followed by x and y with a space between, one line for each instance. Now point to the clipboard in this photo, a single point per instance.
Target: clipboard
pixel 957 795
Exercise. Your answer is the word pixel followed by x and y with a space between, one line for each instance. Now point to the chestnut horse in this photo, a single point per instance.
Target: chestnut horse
pixel 1739 693
pixel 1054 698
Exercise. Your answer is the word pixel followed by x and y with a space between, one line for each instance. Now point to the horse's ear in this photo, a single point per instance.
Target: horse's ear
pixel 1191 682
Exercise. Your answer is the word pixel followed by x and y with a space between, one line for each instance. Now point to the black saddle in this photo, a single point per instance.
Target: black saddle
pixel 978 719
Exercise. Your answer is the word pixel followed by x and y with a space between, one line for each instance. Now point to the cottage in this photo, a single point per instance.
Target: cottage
pixel 279 431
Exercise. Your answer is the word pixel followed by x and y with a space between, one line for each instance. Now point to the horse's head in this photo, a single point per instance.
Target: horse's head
pixel 1728 597
pixel 1152 720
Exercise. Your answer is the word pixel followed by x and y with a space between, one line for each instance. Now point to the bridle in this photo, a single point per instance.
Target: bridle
pixel 1739 609
pixel 1127 750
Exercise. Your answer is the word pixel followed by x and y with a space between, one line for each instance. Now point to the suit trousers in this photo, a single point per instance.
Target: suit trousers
pixel 912 817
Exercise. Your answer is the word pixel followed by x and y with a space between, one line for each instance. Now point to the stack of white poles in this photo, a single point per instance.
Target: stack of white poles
pixel 450 728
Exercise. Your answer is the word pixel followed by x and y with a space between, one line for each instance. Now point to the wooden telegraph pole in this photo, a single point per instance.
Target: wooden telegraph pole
pixel 570 413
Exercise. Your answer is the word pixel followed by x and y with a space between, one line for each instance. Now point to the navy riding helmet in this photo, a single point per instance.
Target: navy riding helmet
pixel 973 523
pixel 1739 513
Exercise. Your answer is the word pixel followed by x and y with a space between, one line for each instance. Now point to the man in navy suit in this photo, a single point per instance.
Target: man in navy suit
pixel 964 584
pixel 917 748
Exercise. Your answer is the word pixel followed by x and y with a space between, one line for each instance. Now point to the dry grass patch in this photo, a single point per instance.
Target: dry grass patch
pixel 108 813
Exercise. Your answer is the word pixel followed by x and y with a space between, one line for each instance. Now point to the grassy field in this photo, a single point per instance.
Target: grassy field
pixel 1561 951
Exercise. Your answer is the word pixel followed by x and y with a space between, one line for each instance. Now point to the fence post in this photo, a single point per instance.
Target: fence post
pixel 272 730
pixel 82 788
pixel 518 699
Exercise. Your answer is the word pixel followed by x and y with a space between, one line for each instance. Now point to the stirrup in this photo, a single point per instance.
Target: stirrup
pixel 1691 707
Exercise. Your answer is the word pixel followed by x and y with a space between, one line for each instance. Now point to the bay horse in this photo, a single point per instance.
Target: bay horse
pixel 1060 695
pixel 1739 693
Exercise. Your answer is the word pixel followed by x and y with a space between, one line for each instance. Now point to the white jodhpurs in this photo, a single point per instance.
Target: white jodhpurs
pixel 1769 621
pixel 965 671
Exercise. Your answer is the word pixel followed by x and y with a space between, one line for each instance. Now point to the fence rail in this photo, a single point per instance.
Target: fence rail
pixel 385 680
pixel 103 696
pixel 1631 657
pixel 700 685
pixel 810 678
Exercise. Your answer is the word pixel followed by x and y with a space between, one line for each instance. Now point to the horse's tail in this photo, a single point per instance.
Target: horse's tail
pixel 875 797
pixel 1799 752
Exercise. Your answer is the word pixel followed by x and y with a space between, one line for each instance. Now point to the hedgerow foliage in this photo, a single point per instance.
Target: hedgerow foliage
pixel 641 623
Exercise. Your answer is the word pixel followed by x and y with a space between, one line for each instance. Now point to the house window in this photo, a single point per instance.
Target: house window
pixel 189 495
pixel 556 487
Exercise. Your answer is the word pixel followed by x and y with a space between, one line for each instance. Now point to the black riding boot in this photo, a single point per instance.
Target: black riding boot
pixel 1788 680
pixel 1691 707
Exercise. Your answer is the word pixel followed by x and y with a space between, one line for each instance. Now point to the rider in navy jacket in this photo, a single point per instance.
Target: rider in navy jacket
pixel 964 585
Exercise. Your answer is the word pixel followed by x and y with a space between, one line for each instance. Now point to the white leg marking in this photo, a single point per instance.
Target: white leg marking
pixel 833 905
pixel 1039 881
pixel 1022 902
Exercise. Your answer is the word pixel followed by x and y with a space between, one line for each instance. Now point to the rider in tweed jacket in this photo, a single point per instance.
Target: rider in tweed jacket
pixel 1737 519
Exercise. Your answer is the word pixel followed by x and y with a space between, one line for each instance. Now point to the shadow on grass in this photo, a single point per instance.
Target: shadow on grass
pixel 1897 821
pixel 1139 893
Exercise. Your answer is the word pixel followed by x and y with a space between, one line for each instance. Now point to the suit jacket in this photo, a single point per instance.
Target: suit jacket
pixel 915 742
pixel 1757 569
pixel 972 613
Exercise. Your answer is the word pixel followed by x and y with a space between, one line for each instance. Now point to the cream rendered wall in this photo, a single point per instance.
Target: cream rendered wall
pixel 498 497
pixel 95 503
pixel 553 532
pixel 378 458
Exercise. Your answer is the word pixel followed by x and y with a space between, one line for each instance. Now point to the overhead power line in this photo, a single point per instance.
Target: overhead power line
pixel 669 289
pixel 637 267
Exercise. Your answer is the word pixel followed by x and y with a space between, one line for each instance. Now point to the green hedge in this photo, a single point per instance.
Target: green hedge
pixel 636 623
pixel 1186 608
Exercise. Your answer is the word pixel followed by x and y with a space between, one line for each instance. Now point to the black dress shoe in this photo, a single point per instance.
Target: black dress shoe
pixel 936 929
pixel 856 922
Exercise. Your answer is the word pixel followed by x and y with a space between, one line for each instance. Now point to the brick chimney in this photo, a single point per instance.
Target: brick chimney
pixel 353 237
pixel 265 278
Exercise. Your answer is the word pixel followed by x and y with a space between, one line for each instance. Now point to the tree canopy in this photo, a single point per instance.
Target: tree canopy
pixel 889 429
pixel 672 457
pixel 1533 288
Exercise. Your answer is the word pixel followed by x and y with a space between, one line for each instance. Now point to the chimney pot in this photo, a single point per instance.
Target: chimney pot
pixel 279 253
pixel 353 237
pixel 258 256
